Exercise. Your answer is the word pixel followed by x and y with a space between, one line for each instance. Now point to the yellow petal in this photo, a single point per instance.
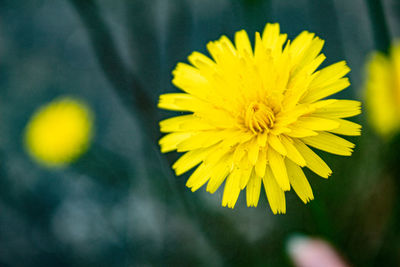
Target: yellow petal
pixel 340 109
pixel 246 170
pixel 262 139
pixel 328 90
pixel 231 190
pixel 261 163
pixel 314 162
pixel 172 124
pixel 200 140
pixel 217 153
pixel 172 140
pixel 292 152
pixel 299 132
pixel 288 117
pixel 330 143
pixel 275 195
pixel 305 49
pixel 199 177
pixel 330 74
pixel 276 144
pixel 297 86
pixel 227 46
pixel 242 43
pixel 316 123
pixel 299 181
pixel 190 80
pixel 347 128
pixel 300 45
pixel 259 49
pixel 272 39
pixel 218 175
pixel 240 151
pixel 253 151
pixel 180 102
pixel 235 137
pixel 224 53
pixel 189 160
pixel 184 123
pixel 202 62
pixel 253 190
pixel 327 82
pixel 278 168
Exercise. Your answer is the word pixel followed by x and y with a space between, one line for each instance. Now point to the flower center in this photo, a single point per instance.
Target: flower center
pixel 259 117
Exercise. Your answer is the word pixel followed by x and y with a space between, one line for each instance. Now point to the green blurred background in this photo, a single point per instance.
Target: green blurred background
pixel 120 204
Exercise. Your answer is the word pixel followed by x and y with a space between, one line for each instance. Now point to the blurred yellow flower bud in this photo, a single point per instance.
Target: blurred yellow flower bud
pixel 59 132
pixel 383 91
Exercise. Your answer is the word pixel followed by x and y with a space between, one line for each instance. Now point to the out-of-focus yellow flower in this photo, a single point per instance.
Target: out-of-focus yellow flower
pixel 383 91
pixel 254 114
pixel 59 132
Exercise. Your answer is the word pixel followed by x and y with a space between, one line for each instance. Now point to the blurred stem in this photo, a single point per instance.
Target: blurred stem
pixel 122 79
pixel 379 25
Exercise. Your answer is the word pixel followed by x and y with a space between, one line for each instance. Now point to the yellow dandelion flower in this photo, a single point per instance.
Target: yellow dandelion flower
pixel 59 132
pixel 252 116
pixel 383 91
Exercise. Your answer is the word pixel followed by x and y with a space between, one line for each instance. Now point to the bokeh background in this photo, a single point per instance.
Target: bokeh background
pixel 119 204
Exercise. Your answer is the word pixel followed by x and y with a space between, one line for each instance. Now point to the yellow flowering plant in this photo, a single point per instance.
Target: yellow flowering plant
pixel 252 116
